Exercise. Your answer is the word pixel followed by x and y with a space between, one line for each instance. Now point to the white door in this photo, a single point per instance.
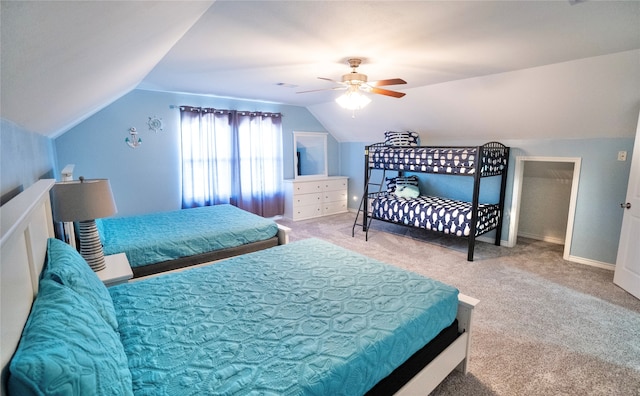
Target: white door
pixel 627 274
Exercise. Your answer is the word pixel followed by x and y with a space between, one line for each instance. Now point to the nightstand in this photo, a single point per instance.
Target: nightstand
pixel 117 271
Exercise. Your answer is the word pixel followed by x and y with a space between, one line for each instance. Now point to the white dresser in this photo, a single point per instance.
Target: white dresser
pixel 305 199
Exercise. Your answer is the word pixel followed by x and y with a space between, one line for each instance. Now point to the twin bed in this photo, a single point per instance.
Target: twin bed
pixel 302 318
pixel 164 241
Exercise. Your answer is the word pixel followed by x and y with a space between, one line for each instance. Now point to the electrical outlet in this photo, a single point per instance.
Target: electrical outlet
pixel 622 155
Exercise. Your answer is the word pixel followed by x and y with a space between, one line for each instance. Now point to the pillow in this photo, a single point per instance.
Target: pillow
pixel 67 267
pixel 394 182
pixel 406 139
pixel 68 348
pixel 407 191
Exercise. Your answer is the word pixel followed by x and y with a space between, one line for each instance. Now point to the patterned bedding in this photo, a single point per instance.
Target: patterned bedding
pixel 306 318
pixel 435 213
pixel 158 237
pixel 423 159
pixel 447 160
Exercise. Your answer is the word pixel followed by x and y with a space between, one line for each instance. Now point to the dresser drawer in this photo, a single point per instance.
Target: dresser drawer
pixel 334 207
pixel 307 187
pixel 307 199
pixel 338 195
pixel 332 185
pixel 305 212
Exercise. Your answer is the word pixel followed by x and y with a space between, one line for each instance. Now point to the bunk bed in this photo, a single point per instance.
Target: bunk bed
pixel 302 318
pixel 399 204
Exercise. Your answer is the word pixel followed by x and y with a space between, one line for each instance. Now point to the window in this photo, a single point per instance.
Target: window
pixel 232 157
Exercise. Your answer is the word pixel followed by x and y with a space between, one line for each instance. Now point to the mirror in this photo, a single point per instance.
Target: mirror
pixel 310 154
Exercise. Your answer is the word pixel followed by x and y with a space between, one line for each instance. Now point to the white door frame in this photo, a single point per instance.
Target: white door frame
pixel 517 194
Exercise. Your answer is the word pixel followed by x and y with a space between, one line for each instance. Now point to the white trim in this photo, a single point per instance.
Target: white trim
pixel 454 357
pixel 515 202
pixel 321 135
pixel 592 263
pixel 26 224
pixel 283 234
pixel 577 164
pixel 517 193
pixel 544 238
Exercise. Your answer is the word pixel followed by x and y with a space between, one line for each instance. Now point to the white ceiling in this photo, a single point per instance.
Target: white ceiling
pixel 62 61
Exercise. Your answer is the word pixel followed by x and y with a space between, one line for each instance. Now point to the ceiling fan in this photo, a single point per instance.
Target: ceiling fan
pixel 355 81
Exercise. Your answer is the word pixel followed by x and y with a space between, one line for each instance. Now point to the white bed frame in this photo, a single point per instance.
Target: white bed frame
pixel 26 223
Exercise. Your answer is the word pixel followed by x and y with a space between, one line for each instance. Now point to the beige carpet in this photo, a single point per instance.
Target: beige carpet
pixel 544 326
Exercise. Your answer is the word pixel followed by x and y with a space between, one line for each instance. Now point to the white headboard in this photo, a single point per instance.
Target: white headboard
pixel 26 224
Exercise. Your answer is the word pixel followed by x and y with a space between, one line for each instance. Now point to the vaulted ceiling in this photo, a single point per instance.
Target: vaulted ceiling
pixel 62 61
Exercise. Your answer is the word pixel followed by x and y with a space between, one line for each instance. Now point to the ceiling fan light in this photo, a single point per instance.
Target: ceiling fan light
pixel 353 100
pixel 354 78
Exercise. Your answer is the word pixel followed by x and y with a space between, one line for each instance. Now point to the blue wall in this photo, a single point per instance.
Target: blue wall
pixel 147 179
pixel 25 157
pixel 603 185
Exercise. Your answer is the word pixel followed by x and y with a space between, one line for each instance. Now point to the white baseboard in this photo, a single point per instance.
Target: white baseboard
pixel 573 259
pixel 592 263
pixel 544 238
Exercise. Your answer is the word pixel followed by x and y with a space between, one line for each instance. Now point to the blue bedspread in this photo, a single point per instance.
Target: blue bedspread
pixel 158 237
pixel 307 318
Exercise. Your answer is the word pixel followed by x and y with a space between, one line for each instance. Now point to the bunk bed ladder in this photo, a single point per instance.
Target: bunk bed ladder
pixel 363 209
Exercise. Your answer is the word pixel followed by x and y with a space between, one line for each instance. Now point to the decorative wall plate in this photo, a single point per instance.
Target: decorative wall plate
pixel 133 140
pixel 155 124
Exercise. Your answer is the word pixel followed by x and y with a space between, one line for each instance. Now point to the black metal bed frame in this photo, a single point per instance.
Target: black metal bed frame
pixel 481 170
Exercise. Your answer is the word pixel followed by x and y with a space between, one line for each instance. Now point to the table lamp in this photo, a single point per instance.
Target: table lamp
pixel 85 200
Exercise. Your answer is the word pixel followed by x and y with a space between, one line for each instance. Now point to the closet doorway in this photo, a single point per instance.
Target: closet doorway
pixel 545 191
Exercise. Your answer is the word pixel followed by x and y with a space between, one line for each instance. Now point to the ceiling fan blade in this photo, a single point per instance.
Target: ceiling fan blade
pixel 391 81
pixel 342 86
pixel 328 79
pixel 323 89
pixel 386 92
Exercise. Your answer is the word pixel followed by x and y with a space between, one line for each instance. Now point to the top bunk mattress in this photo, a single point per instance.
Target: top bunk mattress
pixel 447 160
pixel 308 317
pixel 157 237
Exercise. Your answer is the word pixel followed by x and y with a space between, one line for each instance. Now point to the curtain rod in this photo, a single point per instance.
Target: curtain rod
pixel 240 111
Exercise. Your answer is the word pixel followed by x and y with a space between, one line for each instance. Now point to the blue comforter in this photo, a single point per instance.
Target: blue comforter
pixel 158 237
pixel 307 318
